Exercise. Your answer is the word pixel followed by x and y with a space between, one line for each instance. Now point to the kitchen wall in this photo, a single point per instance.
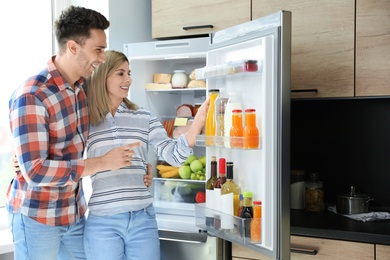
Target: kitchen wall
pixel 347 142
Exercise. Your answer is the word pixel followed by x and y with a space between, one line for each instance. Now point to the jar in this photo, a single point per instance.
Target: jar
pixel 314 194
pixel 179 79
pixel 251 65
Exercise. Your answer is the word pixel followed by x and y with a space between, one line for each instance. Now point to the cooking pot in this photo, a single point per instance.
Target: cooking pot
pixel 352 203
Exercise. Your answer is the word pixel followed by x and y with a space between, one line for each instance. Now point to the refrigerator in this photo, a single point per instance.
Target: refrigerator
pixel 223 60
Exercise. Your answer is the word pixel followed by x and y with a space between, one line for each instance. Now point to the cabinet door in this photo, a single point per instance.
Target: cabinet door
pixel 170 18
pixel 328 249
pixel 322 45
pixel 372 47
pixel 382 252
pixel 240 252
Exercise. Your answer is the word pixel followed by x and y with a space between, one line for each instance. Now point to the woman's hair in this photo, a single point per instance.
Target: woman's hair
pixel 75 23
pixel 98 100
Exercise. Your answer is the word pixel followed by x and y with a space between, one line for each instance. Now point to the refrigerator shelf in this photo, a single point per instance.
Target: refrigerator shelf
pixel 222 142
pixel 178 91
pixel 223 225
pixel 230 69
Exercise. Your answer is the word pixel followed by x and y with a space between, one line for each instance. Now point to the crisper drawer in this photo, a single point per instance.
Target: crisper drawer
pixel 177 196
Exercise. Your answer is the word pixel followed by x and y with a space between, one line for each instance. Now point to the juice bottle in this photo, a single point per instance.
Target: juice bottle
pixel 236 131
pixel 234 102
pixel 256 222
pixel 220 106
pixel 210 119
pixel 251 133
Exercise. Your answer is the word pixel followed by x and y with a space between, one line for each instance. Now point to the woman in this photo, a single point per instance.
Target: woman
pixel 121 223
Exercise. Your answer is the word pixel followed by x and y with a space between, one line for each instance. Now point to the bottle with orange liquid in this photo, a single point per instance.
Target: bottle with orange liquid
pixel 256 222
pixel 236 131
pixel 210 119
pixel 251 132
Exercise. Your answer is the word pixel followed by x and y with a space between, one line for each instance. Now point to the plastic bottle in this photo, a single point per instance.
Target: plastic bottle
pixel 236 131
pixel 220 106
pixel 210 119
pixel 256 222
pixel 251 132
pixel 247 211
pixel 231 187
pixel 234 102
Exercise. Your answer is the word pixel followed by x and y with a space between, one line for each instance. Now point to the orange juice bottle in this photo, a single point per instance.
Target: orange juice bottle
pixel 251 133
pixel 236 131
pixel 256 222
pixel 210 119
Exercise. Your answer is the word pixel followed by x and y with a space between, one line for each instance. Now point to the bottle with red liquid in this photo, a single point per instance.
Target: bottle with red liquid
pixel 251 132
pixel 237 130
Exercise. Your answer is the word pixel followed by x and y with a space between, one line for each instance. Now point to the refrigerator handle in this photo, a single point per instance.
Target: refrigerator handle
pixel 186 28
pixel 304 90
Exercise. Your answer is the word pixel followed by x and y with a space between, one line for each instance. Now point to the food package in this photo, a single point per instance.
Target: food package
pixel 157 86
pixel 180 130
pixel 185 110
pixel 196 84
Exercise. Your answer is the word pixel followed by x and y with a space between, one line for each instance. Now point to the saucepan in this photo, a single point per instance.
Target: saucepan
pixel 352 203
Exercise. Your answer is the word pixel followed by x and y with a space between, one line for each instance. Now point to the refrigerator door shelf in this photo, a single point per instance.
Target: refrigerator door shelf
pixel 228 227
pixel 230 68
pixel 222 142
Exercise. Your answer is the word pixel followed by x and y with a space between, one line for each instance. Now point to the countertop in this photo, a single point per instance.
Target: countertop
pixel 334 226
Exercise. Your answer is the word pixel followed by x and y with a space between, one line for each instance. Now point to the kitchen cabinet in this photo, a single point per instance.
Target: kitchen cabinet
pixel 171 18
pixel 372 48
pixel 322 45
pixel 326 249
pixel 243 253
pixel 382 252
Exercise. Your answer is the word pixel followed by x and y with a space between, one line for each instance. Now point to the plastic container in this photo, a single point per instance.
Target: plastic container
pixel 256 222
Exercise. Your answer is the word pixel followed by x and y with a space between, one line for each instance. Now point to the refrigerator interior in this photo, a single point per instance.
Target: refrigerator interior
pixel 256 170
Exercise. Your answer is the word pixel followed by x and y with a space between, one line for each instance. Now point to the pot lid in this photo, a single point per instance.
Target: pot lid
pixel 353 195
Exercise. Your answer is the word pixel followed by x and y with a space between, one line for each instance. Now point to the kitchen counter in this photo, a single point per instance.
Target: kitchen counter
pixel 334 226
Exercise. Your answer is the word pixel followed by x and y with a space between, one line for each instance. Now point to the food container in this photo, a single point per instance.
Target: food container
pixel 352 203
pixel 179 79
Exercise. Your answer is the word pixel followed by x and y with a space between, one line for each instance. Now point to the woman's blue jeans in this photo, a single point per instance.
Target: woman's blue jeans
pixel 130 236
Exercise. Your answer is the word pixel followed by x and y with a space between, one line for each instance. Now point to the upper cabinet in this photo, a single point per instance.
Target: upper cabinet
pixel 322 45
pixel 372 47
pixel 172 18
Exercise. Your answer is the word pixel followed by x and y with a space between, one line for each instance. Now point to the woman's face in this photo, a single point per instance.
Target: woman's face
pixel 118 83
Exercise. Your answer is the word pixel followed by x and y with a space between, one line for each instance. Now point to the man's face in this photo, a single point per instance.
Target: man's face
pixel 92 53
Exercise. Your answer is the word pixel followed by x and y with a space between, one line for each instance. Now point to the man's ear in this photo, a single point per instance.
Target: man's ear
pixel 72 46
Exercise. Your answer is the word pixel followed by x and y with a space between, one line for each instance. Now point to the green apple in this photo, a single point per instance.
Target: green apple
pixel 196 166
pixel 185 172
pixel 202 159
pixel 190 159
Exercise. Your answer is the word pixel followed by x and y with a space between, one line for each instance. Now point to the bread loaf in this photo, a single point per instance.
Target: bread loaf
pixel 162 78
pixel 196 84
pixel 156 86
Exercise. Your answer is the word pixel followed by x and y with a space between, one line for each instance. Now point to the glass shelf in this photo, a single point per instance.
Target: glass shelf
pixel 223 225
pixel 222 142
pixel 177 91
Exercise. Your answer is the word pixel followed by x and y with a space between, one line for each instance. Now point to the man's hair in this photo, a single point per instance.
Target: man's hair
pixel 75 24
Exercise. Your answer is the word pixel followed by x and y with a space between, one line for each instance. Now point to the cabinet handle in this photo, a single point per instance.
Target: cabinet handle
pixel 303 251
pixel 304 90
pixel 197 27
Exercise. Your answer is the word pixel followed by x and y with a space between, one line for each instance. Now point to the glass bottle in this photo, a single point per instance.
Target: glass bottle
pixel 251 132
pixel 314 194
pixel 230 187
pixel 234 102
pixel 179 79
pixel 236 131
pixel 220 107
pixel 221 174
pixel 213 171
pixel 210 119
pixel 256 222
pixel 247 211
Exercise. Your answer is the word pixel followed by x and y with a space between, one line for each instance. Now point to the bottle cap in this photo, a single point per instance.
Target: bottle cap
pixel 257 202
pixel 247 194
pixel 250 110
pixel 236 111
pixel 222 166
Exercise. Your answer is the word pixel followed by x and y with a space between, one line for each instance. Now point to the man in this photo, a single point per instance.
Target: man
pixel 49 122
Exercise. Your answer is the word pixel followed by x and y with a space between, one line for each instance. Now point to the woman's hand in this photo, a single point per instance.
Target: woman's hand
pixel 148 177
pixel 14 164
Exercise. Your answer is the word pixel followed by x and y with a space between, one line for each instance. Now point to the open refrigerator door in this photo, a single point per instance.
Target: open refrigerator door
pixel 253 60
